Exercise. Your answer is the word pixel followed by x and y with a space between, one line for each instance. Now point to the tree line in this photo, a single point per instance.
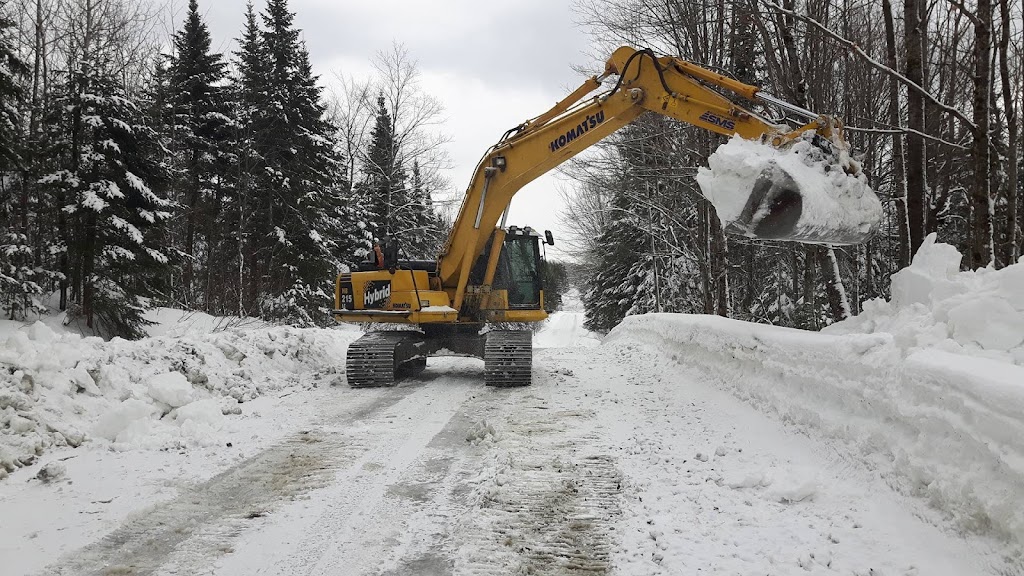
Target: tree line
pixel 930 91
pixel 140 170
pixel 137 169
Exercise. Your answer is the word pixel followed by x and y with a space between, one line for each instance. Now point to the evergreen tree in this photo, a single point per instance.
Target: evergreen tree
pixel 614 285
pixel 429 233
pixel 202 157
pixel 112 213
pixel 631 275
pixel 384 186
pixel 399 207
pixel 158 109
pixel 19 275
pixel 555 277
pixel 253 206
pixel 11 71
pixel 300 227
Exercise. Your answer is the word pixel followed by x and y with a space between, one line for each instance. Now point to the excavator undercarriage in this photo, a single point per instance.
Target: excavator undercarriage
pixel 382 358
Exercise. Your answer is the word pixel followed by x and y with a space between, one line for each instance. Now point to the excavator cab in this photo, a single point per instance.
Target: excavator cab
pixel 518 269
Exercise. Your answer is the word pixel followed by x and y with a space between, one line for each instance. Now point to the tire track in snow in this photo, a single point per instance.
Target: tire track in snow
pixel 430 503
pixel 356 511
pixel 213 512
pixel 551 498
pixel 351 526
pixel 555 517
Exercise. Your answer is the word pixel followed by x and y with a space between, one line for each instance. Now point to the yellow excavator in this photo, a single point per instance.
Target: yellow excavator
pixel 487 276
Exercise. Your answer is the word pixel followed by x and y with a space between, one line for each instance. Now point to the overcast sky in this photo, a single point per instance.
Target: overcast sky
pixel 492 64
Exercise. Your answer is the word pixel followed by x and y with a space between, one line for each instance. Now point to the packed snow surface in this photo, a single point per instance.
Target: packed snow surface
pixel 837 206
pixel 565 329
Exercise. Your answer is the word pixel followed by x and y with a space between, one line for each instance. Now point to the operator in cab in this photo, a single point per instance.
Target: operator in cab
pixel 376 256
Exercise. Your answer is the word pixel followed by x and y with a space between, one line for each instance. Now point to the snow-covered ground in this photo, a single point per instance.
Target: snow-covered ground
pixel 891 445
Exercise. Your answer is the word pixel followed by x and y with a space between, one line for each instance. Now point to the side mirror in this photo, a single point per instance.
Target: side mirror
pixel 548 238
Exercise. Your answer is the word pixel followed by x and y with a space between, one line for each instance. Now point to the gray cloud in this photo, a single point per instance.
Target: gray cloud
pixel 532 41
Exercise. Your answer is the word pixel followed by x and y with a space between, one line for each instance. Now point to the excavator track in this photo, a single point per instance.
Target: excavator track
pixel 508 358
pixel 380 358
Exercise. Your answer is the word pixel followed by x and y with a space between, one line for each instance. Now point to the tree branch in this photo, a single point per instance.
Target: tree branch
pixel 853 47
pixel 903 130
pixel 963 10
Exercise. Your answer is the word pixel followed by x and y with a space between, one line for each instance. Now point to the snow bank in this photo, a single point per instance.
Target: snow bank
pixel 60 389
pixel 174 322
pixel 946 428
pixel 837 207
pixel 927 389
pixel 935 306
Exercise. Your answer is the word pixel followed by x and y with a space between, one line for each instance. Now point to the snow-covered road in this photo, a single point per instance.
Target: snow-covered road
pixel 618 460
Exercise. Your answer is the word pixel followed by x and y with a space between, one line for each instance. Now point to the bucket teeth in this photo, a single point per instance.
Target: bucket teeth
pixel 508 358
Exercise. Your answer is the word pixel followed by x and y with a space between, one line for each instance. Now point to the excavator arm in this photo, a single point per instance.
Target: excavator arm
pixel 451 301
pixel 664 85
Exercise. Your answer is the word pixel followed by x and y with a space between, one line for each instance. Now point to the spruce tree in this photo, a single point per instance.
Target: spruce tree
pixel 430 231
pixel 155 101
pixel 12 69
pixel 300 227
pixel 202 157
pixel 112 213
pixel 620 270
pixel 19 275
pixel 253 208
pixel 384 184
pixel 628 278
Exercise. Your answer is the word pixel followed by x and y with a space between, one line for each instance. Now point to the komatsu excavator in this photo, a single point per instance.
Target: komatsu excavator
pixel 487 276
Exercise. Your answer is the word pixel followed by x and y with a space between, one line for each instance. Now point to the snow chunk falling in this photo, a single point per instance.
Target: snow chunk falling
pixel 837 205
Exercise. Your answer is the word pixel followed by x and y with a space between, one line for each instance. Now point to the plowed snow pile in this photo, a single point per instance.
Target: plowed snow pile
pixel 928 389
pixel 935 306
pixel 832 199
pixel 59 389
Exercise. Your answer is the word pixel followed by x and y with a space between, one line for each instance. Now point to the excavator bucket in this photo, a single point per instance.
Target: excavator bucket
pixel 808 191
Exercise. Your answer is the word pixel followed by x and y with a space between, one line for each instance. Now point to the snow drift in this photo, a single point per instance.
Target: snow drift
pixel 60 389
pixel 927 390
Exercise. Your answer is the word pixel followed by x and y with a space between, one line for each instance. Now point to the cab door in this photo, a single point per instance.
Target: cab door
pixel 519 271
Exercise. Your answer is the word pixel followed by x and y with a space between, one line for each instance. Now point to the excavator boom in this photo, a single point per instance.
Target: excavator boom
pixel 646 83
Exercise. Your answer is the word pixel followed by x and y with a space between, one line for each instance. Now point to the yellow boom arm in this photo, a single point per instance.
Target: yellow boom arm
pixel 665 85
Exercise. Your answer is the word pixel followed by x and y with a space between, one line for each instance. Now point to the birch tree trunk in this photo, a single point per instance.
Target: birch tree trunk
pixel 838 302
